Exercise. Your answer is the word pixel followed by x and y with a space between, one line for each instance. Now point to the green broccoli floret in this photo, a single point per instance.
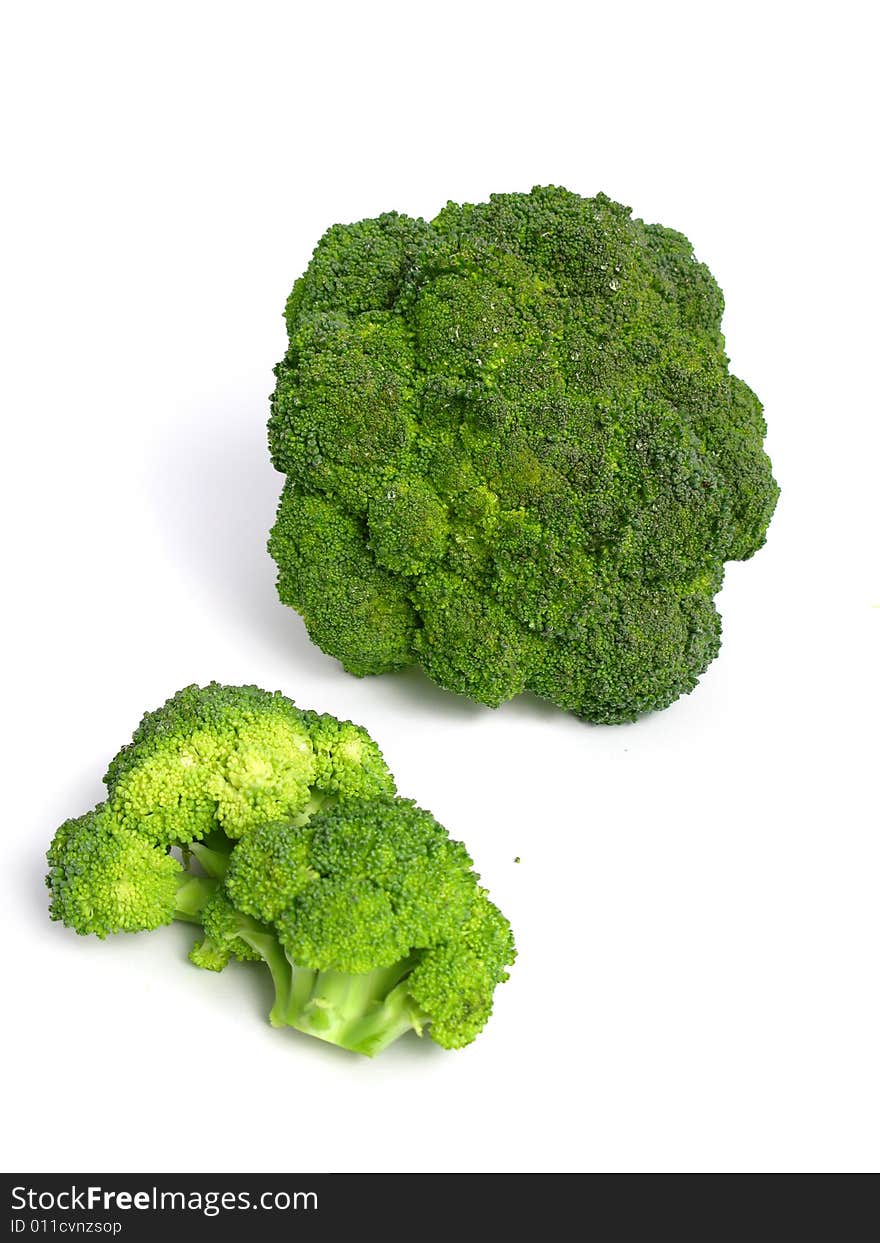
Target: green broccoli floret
pixel 105 878
pixel 273 869
pixel 200 771
pixel 348 763
pixel 514 453
pixel 230 934
pixel 369 919
pixel 230 757
pixel 380 920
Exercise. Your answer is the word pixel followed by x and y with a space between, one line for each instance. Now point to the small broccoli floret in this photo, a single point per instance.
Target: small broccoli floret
pixel 409 526
pixel 198 773
pixel 230 757
pixel 223 926
pixel 351 605
pixel 514 453
pixel 270 869
pixel 361 900
pixel 401 850
pixel 214 756
pixel 348 763
pixel 454 983
pixel 369 918
pixel 104 879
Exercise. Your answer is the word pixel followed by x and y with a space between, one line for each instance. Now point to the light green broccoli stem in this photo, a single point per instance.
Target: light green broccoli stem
pixel 268 947
pixel 193 894
pixel 364 1013
pixel 318 801
pixel 397 1015
pixel 212 854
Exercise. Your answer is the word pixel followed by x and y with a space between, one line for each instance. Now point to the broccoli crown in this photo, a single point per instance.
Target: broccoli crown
pixel 373 899
pixel 514 453
pixel 105 878
pixel 231 757
pixel 223 927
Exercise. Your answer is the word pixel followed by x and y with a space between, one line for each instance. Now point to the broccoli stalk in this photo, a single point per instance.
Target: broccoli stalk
pixel 212 854
pixel 229 934
pixel 192 896
pixel 364 1013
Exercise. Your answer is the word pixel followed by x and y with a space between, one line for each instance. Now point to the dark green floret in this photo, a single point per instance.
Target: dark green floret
pixel 515 453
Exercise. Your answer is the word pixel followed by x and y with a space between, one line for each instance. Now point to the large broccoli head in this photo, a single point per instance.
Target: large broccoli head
pixel 514 453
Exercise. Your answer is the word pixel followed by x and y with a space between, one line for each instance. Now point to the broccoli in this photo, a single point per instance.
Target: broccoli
pixel 104 878
pixel 296 852
pixel 514 453
pixel 230 757
pixel 371 921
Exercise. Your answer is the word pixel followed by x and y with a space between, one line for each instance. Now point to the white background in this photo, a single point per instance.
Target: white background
pixel 696 905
